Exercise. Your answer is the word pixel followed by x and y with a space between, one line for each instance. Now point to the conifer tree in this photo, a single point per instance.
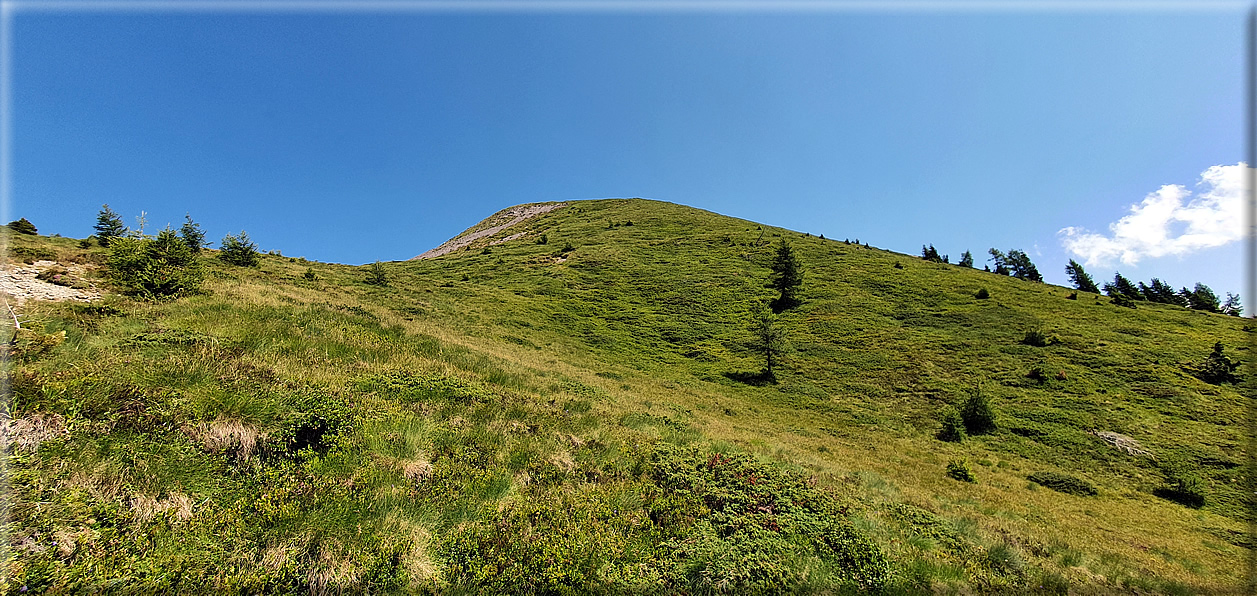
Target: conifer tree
pixel 1122 287
pixel 1233 305
pixel 192 234
pixel 1018 262
pixel 1080 278
pixel 1202 298
pixel 966 259
pixel 108 226
pixel 787 277
pixel 769 339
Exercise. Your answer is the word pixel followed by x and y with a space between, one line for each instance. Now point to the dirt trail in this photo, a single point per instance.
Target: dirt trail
pixel 513 216
pixel 19 282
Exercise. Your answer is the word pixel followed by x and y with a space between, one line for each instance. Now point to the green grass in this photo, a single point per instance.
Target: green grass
pixel 492 421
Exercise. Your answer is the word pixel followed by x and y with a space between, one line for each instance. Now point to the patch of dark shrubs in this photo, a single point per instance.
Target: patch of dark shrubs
pixel 982 294
pixel 1063 483
pixel 1039 339
pixel 1183 488
pixel 154 268
pixel 22 226
pixel 1120 300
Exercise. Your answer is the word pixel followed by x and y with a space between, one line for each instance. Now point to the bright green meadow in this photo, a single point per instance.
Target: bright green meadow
pixel 550 419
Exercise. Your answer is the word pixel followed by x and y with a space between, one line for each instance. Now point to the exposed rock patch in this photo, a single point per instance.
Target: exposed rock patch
pixel 501 221
pixel 19 281
pixel 1122 442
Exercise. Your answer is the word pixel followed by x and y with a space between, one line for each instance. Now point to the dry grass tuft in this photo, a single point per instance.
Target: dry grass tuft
pixel 334 572
pixel 28 432
pixel 564 461
pixel 148 508
pixel 417 470
pixel 225 435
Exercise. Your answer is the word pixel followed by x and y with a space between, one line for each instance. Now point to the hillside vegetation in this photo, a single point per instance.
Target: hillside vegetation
pixel 585 415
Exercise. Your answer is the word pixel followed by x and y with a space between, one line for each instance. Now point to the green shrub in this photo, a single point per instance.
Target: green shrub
pixel 543 239
pixel 86 242
pixel 239 251
pixel 959 469
pixel 1063 483
pixel 982 294
pixel 22 226
pixel 977 414
pixel 953 425
pixel 161 267
pixel 309 274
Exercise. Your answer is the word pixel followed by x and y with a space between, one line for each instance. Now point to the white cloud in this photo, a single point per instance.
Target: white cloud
pixel 1170 221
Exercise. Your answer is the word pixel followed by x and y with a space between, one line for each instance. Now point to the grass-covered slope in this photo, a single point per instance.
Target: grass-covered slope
pixel 523 417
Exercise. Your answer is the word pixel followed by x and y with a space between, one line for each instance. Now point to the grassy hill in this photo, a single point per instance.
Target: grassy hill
pixel 573 417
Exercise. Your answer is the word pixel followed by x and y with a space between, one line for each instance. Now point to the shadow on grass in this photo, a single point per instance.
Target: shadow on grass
pixel 758 378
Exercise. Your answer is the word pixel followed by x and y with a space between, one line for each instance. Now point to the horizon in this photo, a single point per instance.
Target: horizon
pixel 350 137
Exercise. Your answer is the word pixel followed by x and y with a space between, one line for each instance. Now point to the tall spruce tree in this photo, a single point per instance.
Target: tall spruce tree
pixel 108 225
pixel 1122 287
pixel 192 234
pixel 787 277
pixel 966 259
pixel 1080 278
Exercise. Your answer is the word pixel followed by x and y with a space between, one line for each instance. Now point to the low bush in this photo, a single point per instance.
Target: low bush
pixel 1038 339
pixel 953 425
pixel 58 276
pixel 1063 483
pixel 1183 488
pixel 982 294
pixel 756 529
pixel 959 469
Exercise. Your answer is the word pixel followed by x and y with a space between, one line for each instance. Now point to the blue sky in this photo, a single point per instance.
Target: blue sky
pixel 355 136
